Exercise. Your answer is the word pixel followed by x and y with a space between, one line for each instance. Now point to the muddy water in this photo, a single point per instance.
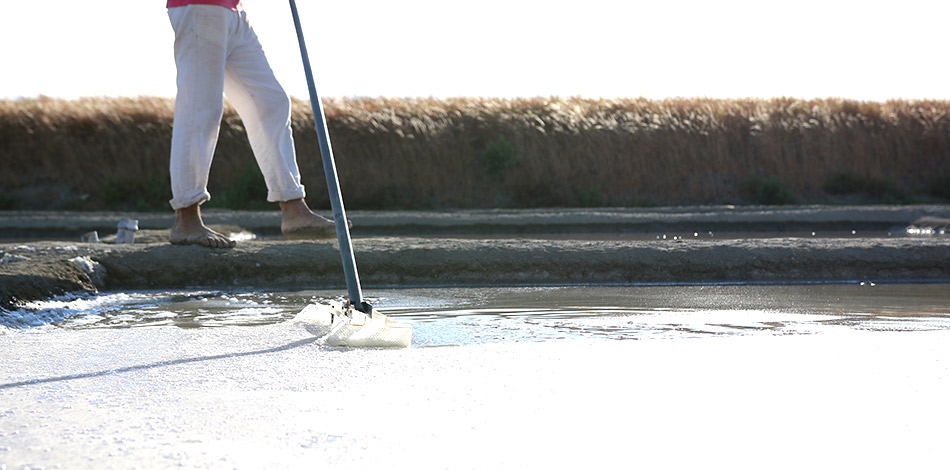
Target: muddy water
pixel 464 316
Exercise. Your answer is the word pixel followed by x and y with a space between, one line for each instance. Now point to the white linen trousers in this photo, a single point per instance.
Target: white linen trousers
pixel 217 53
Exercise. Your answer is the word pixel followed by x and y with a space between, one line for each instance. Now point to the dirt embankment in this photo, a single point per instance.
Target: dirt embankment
pixel 524 253
pixel 28 278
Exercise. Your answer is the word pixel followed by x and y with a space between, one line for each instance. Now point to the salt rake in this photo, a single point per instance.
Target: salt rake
pixel 354 323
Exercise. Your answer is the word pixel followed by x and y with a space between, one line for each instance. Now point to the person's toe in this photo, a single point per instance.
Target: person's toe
pixel 222 242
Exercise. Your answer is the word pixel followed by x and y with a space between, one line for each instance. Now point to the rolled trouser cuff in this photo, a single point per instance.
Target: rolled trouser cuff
pixel 286 195
pixel 190 198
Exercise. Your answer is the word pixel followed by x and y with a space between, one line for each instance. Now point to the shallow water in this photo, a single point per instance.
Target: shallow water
pixel 464 316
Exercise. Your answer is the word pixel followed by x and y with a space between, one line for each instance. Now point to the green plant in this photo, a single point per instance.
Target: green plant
pixel 940 186
pixel 592 197
pixel 640 202
pixel 767 190
pixel 113 190
pixel 498 156
pixel 144 194
pixel 156 192
pixel 887 192
pixel 247 192
pixel 73 204
pixel 878 190
pixel 8 202
pixel 842 183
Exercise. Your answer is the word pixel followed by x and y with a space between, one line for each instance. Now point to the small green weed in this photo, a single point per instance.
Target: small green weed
pixel 8 202
pixel 249 192
pixel 592 197
pixel 149 194
pixel 640 202
pixel 843 183
pixel 878 190
pixel 887 192
pixel 498 156
pixel 767 190
pixel 940 186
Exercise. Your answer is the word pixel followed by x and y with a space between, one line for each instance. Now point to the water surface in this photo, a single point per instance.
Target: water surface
pixel 461 316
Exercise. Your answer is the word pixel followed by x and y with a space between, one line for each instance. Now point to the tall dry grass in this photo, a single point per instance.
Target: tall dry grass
pixel 418 153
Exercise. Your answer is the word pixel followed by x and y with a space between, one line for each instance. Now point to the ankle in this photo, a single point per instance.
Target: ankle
pixel 187 216
pixel 293 208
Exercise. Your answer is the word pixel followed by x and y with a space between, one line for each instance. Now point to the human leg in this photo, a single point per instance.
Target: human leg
pixel 264 108
pixel 189 229
pixel 200 53
pixel 201 43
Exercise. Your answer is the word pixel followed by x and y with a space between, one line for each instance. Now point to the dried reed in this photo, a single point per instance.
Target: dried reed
pixel 423 153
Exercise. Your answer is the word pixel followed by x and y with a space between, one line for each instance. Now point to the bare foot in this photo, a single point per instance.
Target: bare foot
pixel 189 229
pixel 298 221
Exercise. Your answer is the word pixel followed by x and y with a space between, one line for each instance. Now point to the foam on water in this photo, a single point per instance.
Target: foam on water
pixel 38 313
pixel 155 308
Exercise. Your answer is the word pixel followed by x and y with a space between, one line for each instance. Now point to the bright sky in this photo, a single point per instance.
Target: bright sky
pixel 865 50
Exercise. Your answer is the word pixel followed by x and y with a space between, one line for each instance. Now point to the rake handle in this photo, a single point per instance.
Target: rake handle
pixel 333 182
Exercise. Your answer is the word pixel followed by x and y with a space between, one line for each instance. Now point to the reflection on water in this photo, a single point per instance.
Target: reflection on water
pixel 539 314
pixel 459 316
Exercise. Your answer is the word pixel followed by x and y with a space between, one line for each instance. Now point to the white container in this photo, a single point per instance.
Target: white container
pixel 126 233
